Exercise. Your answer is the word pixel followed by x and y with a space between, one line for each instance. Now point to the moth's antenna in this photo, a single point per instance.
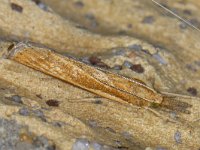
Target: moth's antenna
pixel 174 14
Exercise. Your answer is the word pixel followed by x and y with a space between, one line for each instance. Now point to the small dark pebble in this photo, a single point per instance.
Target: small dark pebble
pixel 94 60
pixel 81 27
pixel 16 98
pixel 16 7
pixel 192 91
pixel 58 124
pixel 102 65
pixel 117 67
pixel 36 1
pixel 11 47
pixel 129 26
pixel 41 5
pixel 79 4
pixel 146 51
pixel 39 96
pixel 187 12
pixel 98 102
pixel 52 102
pixel 97 62
pixel 137 68
pixel 110 130
pixel 148 20
pixel 24 111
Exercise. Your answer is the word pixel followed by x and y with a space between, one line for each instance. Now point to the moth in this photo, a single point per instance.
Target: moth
pixel 96 80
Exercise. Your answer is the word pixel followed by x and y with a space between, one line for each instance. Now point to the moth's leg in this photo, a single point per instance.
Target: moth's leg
pixel 86 100
pixel 179 95
pixel 156 113
pixel 168 119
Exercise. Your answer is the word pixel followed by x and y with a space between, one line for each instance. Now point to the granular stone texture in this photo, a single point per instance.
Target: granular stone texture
pixel 10 138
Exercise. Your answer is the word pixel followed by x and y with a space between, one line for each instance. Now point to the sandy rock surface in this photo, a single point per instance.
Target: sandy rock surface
pixel 131 38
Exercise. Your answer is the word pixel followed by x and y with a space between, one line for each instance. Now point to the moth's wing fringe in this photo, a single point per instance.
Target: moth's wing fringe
pixel 176 103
